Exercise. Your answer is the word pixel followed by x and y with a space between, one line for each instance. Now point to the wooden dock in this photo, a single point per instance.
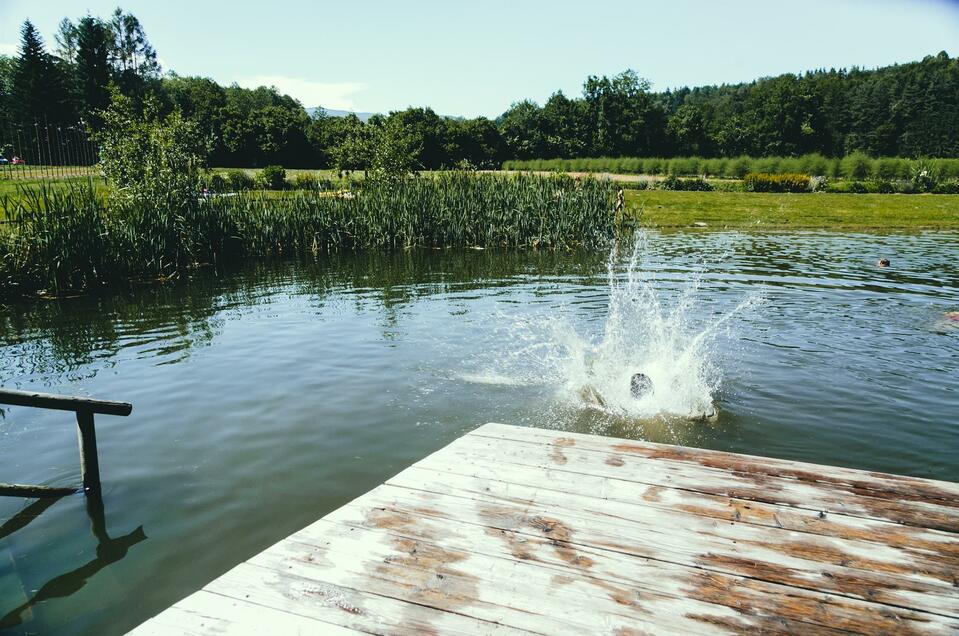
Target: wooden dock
pixel 521 530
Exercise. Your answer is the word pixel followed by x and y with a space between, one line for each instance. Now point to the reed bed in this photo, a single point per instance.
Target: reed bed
pixel 66 239
pixel 854 166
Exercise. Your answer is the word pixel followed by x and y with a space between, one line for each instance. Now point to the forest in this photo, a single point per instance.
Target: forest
pixel 906 110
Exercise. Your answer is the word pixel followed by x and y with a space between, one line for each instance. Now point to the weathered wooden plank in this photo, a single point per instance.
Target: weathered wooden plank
pixel 466 582
pixel 665 472
pixel 64 402
pixel 853 480
pixel 920 543
pixel 208 614
pixel 662 593
pixel 334 603
pixel 29 491
pixel 859 571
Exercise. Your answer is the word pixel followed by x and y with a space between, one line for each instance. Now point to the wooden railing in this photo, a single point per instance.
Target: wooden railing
pixel 85 408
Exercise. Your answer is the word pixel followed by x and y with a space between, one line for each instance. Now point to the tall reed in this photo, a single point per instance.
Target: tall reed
pixel 66 239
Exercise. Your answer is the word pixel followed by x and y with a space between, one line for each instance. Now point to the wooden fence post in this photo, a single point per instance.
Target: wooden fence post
pixel 89 462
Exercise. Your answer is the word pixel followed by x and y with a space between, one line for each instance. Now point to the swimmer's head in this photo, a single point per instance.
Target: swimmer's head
pixel 882 262
pixel 640 385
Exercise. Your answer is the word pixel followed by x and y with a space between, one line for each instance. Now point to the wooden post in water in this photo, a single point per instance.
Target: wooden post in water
pixel 89 461
pixel 86 435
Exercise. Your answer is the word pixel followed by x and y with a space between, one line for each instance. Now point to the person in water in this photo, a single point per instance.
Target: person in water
pixel 882 262
pixel 640 385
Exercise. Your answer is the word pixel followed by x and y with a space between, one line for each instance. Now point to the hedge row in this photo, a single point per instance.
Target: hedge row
pixel 765 182
pixel 855 166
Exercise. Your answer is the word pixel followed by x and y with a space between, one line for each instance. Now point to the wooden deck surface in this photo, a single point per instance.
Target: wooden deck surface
pixel 520 530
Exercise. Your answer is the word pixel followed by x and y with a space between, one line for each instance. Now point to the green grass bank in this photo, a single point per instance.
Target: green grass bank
pixel 766 211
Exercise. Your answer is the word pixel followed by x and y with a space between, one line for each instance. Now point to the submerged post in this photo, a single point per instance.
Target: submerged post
pixel 89 461
pixel 86 435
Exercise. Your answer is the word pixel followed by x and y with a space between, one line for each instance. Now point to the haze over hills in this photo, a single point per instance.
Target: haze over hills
pixel 332 112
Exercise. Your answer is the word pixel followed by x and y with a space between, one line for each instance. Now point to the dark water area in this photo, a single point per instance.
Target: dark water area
pixel 267 397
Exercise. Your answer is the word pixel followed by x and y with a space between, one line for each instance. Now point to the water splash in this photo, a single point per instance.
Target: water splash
pixel 653 326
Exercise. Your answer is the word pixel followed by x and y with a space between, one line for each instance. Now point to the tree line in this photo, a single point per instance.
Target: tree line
pixel 908 110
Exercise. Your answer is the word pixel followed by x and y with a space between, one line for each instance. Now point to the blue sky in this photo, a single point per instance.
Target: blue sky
pixel 476 58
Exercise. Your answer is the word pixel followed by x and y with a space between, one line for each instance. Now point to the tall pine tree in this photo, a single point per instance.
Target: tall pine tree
pixel 40 95
pixel 93 69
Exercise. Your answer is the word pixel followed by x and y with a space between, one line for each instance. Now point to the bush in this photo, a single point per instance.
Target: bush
pixel 272 178
pixel 947 187
pixel 216 182
pixel 884 186
pixel 858 187
pixel 308 181
pixel 765 182
pixel 672 182
pixel 239 180
pixel 889 168
pixel 925 177
pixel 856 166
pixel 814 164
pixel 741 166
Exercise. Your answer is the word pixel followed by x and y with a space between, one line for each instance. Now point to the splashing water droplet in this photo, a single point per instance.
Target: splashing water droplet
pixel 651 327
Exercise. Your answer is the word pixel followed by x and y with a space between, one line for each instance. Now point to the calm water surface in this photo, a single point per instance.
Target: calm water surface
pixel 265 398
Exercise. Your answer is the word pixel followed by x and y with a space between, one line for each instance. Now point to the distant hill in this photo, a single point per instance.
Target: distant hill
pixel 332 112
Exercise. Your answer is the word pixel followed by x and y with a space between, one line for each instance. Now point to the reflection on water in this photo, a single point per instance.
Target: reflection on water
pixel 267 397
pixel 108 550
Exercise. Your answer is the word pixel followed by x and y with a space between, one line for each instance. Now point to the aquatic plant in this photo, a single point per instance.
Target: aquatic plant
pixel 67 239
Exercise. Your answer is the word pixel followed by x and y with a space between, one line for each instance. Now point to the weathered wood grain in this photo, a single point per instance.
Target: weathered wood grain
pixel 920 542
pixel 661 590
pixel 856 571
pixel 64 402
pixel 902 486
pixel 209 614
pixel 511 530
pixel 823 497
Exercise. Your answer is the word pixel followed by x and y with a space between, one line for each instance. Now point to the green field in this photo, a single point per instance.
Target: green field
pixel 760 211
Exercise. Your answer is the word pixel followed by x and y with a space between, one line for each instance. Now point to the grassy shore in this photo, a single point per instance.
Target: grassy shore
pixel 760 211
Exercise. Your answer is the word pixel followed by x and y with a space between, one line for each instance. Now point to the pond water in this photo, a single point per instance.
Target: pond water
pixel 265 398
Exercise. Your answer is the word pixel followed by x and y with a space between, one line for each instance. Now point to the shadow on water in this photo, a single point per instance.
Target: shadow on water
pixel 109 550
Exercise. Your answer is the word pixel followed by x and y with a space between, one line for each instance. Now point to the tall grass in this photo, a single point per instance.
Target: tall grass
pixel 854 166
pixel 67 239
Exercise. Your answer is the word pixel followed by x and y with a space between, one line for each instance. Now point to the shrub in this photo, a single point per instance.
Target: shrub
pixel 741 166
pixel 727 186
pixel 856 166
pixel 216 182
pixel 858 187
pixel 672 182
pixel 814 164
pixel 819 184
pixel 925 177
pixel 947 187
pixel 272 178
pixel 239 180
pixel 884 186
pixel 891 168
pixel 765 182
pixel 309 181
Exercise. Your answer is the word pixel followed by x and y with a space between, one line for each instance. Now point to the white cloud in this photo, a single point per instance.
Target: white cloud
pixel 336 95
pixel 8 49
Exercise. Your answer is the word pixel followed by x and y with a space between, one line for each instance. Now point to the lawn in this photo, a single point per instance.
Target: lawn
pixel 760 211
